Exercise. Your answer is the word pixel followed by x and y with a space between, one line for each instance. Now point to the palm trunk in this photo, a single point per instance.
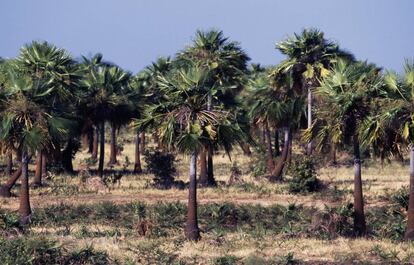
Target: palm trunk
pixel 91 134
pixel 192 231
pixel 309 146
pixel 210 166
pixel 95 143
pixel 24 207
pixel 262 138
pixel 101 150
pixel 333 154
pixel 210 151
pixel 5 189
pixel 289 156
pixel 44 165
pixel 409 232
pixel 277 147
pixel 137 165
pixel 142 142
pixel 112 159
pixel 278 170
pixel 269 152
pixel 67 157
pixel 85 141
pixel 9 167
pixel 37 181
pixel 246 149
pixel 359 216
pixel 202 179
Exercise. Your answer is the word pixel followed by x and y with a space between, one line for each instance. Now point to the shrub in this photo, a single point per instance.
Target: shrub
pixel 87 256
pixel 9 220
pixel 401 197
pixel 225 260
pixel 304 177
pixel 162 166
pixel 43 251
pixel 29 251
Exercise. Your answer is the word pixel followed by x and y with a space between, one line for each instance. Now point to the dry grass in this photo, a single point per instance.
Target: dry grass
pixel 377 182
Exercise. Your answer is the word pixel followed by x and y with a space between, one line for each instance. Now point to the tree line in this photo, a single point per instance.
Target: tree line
pixel 207 97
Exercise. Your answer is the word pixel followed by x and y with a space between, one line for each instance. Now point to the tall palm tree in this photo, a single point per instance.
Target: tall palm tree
pixel 393 119
pixel 347 91
pixel 262 110
pixel 142 94
pixel 43 62
pixel 183 122
pixel 212 51
pixel 310 56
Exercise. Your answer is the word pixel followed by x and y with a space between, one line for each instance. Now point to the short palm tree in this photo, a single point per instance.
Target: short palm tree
pixel 280 105
pixel 104 98
pixel 347 91
pixel 25 128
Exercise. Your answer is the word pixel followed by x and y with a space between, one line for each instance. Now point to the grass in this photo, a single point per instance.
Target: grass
pixel 252 222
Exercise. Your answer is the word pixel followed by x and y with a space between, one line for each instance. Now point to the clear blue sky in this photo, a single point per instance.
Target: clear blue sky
pixel 133 33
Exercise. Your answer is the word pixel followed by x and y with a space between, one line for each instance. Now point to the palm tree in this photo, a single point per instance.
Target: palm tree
pixel 141 95
pixel 279 104
pixel 43 62
pixel 347 91
pixel 393 122
pixel 263 110
pixel 25 128
pixel 184 123
pixel 104 97
pixel 310 56
pixel 212 51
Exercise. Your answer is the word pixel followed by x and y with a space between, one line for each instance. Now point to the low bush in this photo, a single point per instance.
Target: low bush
pixel 304 178
pixel 401 197
pixel 162 166
pixel 22 251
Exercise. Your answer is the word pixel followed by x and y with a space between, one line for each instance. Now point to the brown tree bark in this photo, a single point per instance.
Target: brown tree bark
pixel 112 157
pixel 277 173
pixel 5 189
pixel 246 149
pixel 67 157
pixel 359 215
pixel 210 166
pixel 277 147
pixel 202 179
pixel 137 164
pixel 9 167
pixel 289 156
pixel 142 142
pixel 24 197
pixel 192 232
pixel 309 147
pixel 85 141
pixel 270 164
pixel 95 143
pixel 409 231
pixel 37 181
pixel 333 154
pixel 101 150
pixel 44 165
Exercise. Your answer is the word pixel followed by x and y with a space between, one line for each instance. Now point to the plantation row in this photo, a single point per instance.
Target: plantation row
pixel 204 99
